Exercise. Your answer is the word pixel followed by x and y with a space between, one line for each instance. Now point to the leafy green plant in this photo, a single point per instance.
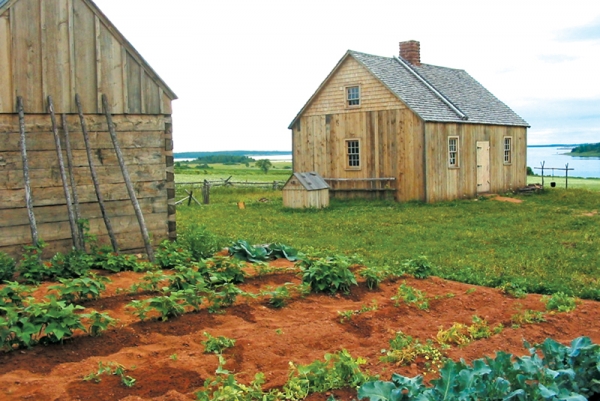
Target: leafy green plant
pixel 97 322
pixel 7 267
pixel 462 334
pixel 216 344
pixel 329 274
pixel 152 281
pixel 560 373
pixel 560 302
pixel 419 268
pixel 411 296
pixel 280 251
pixel 166 305
pixel 348 315
pixel 80 289
pixel 111 368
pixel 14 293
pixel 220 270
pixel 278 297
pixel 223 296
pixel 404 350
pixel 512 289
pixel 242 250
pixel 527 316
pixel 373 276
pixel 116 262
pixel 171 254
pixel 31 269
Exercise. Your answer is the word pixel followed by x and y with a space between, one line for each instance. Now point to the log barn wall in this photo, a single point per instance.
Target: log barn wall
pixel 61 48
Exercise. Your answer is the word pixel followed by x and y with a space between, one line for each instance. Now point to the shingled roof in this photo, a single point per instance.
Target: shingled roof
pixel 436 94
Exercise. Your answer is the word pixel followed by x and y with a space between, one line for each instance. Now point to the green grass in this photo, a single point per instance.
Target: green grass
pixel 545 244
pixel 239 172
pixel 592 184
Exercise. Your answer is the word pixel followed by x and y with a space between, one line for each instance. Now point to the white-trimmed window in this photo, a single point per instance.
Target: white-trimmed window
pixel 353 154
pixel 453 152
pixel 353 96
pixel 508 149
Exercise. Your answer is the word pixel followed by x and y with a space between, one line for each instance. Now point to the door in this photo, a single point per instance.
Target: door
pixel 483 167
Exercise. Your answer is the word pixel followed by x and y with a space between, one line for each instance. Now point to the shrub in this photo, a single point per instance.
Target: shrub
pixel 199 241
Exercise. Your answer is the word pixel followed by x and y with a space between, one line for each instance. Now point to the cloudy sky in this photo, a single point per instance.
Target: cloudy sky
pixel 242 69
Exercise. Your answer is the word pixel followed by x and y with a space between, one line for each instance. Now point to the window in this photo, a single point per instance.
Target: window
pixel 507 150
pixel 453 154
pixel 353 96
pixel 353 154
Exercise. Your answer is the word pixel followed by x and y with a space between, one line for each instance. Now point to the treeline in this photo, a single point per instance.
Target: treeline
pixel 224 159
pixel 587 148
pixel 194 155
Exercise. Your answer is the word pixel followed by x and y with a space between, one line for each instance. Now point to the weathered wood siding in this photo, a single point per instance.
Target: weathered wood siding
pixel 146 143
pixel 297 197
pixel 61 47
pixel 331 98
pixel 390 135
pixel 446 183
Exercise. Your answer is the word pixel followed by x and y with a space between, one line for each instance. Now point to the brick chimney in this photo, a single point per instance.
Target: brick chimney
pixel 411 52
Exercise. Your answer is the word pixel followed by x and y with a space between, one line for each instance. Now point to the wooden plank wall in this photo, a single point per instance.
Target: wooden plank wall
pixel 300 198
pixel 62 47
pixel 444 183
pixel 391 145
pixel 146 144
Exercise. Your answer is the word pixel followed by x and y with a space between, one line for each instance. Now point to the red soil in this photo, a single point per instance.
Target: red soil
pixel 170 363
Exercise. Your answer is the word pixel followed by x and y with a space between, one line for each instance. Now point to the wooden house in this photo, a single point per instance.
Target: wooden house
pixel 64 48
pixel 306 190
pixel 380 125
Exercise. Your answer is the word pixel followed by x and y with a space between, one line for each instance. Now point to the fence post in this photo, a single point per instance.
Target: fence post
pixel 274 185
pixel 206 192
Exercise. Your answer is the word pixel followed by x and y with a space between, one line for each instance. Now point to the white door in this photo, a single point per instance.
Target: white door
pixel 483 167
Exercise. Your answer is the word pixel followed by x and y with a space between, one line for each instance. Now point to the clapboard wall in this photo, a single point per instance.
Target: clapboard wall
pixel 61 48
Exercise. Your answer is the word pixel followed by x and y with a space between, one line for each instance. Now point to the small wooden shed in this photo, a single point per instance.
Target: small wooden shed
pixel 306 190
pixel 379 125
pixel 60 49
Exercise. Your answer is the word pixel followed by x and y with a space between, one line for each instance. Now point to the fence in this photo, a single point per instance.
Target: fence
pixel 206 186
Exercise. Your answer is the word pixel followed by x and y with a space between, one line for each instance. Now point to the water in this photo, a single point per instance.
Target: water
pixel 554 156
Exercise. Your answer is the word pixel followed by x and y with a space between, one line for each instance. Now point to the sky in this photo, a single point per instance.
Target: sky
pixel 243 69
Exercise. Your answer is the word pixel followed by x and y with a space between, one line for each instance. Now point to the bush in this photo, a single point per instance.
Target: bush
pixel 7 267
pixel 200 242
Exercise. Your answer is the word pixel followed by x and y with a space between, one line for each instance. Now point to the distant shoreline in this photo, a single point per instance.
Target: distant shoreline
pixel 195 155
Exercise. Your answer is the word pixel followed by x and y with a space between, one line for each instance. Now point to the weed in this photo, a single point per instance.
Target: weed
pixel 419 268
pixel 347 315
pixel 527 317
pixel 110 368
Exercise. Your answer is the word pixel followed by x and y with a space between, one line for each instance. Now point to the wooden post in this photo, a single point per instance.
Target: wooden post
pixel 190 198
pixel 63 176
pixel 542 163
pixel 274 185
pixel 88 150
pixel 567 176
pixel 80 238
pixel 206 192
pixel 130 190
pixel 28 199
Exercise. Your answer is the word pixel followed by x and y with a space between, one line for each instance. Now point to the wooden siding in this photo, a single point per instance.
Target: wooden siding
pixel 297 197
pixel 445 183
pixel 146 142
pixel 332 96
pixel 391 145
pixel 61 47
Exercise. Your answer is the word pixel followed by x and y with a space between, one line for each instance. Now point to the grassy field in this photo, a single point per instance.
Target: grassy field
pixel 550 242
pixel 573 183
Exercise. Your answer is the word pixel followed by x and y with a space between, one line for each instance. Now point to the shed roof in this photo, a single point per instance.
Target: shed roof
pixel 436 94
pixel 311 181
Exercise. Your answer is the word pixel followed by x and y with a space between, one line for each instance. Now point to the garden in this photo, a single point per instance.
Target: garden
pixel 472 299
